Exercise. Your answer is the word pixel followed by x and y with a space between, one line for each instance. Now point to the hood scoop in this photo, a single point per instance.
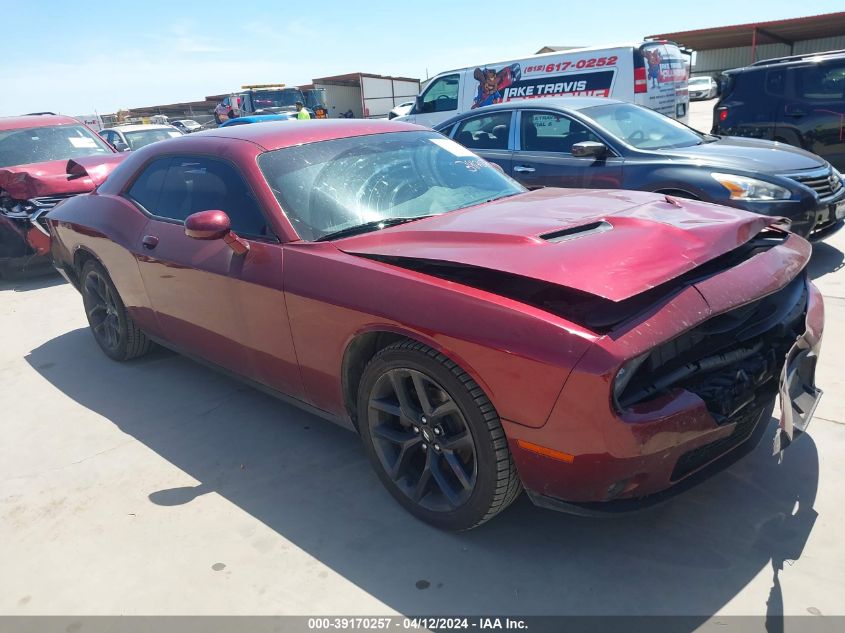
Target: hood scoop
pixel 574 232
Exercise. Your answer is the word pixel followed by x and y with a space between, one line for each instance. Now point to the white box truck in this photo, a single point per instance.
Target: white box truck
pixel 653 74
pixel 364 95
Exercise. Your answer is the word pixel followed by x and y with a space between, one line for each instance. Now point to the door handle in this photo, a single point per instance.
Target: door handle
pixel 524 169
pixel 149 242
pixel 794 111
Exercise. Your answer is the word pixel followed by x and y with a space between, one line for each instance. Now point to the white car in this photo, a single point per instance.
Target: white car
pixel 129 137
pixel 401 110
pixel 702 88
pixel 186 125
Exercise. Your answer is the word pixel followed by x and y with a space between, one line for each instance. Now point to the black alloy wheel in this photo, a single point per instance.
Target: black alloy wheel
pixel 434 437
pixel 422 439
pixel 113 329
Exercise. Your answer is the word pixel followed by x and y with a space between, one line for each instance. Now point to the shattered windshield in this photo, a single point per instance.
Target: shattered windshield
pixel 373 181
pixel 42 144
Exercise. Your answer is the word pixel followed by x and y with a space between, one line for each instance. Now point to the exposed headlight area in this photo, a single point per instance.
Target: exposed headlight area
pixel 732 362
pixel 32 210
pixel 745 188
pixel 695 359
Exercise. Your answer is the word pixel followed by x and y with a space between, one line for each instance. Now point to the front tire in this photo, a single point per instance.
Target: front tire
pixel 113 329
pixel 434 438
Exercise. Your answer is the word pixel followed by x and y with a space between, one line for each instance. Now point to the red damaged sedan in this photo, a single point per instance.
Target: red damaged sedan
pixel 598 348
pixel 39 169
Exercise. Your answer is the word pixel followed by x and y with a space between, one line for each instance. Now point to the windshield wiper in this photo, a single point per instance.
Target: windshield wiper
pixel 368 226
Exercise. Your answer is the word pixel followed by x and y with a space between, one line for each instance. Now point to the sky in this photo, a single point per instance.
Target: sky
pixel 74 58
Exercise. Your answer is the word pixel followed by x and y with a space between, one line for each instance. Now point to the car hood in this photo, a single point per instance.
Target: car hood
pixel 57 177
pixel 612 244
pixel 747 155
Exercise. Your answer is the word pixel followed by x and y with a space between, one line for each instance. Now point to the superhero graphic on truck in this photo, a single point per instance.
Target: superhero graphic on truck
pixel 653 59
pixel 492 82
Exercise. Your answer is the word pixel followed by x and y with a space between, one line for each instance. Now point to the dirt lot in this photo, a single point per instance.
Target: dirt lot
pixel 160 486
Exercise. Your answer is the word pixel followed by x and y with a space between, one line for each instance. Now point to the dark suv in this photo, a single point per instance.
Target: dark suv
pixel 798 100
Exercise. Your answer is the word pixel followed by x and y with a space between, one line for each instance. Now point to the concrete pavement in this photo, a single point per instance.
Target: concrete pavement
pixel 162 487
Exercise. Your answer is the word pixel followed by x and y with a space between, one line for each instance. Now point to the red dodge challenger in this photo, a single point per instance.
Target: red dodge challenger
pixel 601 349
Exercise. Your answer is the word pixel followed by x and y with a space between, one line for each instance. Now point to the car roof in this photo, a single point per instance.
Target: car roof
pixel 572 104
pixel 260 118
pixel 141 126
pixel 278 134
pixel 36 120
pixel 791 60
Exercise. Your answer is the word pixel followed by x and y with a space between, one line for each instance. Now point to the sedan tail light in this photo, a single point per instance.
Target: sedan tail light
pixel 723 113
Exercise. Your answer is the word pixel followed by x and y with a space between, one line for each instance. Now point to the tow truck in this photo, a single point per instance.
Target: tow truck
pixel 270 99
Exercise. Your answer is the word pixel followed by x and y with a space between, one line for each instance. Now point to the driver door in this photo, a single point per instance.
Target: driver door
pixel 439 101
pixel 208 301
pixel 543 157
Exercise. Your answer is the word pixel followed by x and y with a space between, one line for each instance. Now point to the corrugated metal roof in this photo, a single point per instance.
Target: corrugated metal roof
pixel 775 31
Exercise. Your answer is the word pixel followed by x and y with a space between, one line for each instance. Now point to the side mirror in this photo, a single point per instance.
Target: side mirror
pixel 207 225
pixel 214 225
pixel 120 146
pixel 417 104
pixel 585 149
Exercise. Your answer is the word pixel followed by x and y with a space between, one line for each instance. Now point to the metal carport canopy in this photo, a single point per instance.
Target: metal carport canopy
pixel 776 31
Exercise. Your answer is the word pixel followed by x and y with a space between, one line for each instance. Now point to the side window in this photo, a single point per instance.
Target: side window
pixel 822 82
pixel 195 184
pixel 448 130
pixel 442 95
pixel 550 132
pixel 488 131
pixel 147 187
pixel 775 81
pixel 226 102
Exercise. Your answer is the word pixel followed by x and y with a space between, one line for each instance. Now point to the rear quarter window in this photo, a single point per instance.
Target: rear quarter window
pixel 146 189
pixel 822 82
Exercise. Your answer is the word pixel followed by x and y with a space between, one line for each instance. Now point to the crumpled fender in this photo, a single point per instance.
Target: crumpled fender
pixel 95 168
pixel 77 175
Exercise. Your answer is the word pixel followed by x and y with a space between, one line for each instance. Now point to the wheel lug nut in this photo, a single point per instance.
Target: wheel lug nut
pixel 437 431
pixel 425 446
pixel 437 447
pixel 416 429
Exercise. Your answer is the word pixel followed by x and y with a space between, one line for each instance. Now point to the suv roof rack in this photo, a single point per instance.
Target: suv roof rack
pixel 795 58
pixel 39 113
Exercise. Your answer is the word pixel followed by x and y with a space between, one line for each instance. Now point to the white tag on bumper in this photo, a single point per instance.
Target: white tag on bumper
pixel 799 395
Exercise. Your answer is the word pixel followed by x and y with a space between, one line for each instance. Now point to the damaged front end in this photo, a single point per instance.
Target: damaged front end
pixel 24 238
pixel 734 362
pixel 28 193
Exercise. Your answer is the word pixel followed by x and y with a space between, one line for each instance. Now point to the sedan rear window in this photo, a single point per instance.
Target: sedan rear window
pixel 46 143
pixel 333 186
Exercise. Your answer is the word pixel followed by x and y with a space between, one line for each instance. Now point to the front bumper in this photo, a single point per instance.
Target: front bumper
pixel 674 441
pixel 23 246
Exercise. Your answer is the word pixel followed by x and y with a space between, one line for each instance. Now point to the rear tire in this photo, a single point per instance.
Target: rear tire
pixel 434 438
pixel 113 329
